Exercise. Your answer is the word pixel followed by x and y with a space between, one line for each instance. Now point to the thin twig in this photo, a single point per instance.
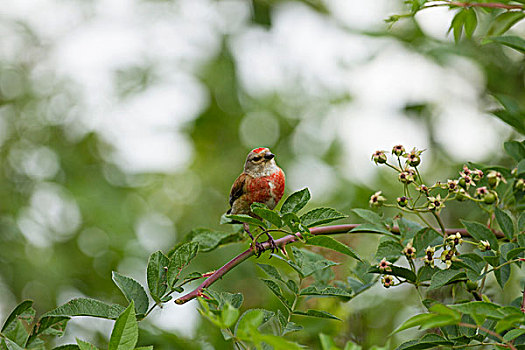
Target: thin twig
pixel 468 325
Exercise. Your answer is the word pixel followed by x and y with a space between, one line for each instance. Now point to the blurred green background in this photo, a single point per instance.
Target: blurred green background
pixel 123 125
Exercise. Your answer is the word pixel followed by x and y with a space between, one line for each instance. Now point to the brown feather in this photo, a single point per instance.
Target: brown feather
pixel 238 187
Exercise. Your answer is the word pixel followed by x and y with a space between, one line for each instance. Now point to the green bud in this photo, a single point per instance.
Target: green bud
pixel 471 286
pixel 490 198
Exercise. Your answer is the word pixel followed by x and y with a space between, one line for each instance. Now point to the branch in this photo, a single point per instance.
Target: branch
pixel 486 4
pixel 281 242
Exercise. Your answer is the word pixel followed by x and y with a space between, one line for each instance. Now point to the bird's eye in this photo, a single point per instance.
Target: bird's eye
pixel 256 158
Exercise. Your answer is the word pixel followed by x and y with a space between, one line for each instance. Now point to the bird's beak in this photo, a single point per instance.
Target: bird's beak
pixel 269 155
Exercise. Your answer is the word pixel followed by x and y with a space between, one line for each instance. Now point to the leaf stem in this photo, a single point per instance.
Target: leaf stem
pixel 483 329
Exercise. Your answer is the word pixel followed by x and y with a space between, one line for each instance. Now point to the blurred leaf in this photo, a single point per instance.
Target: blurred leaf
pixel 424 238
pixel 505 222
pixel 267 214
pixel 444 277
pixel 371 228
pixel 370 216
pixel 325 291
pixel 179 259
pixel 425 273
pixel 407 228
pixel 515 149
pixel 307 262
pixel 503 273
pixel 514 253
pixel 278 343
pixel 271 271
pixel 511 41
pixel 249 322
pixel 327 343
pixel 316 313
pixel 425 321
pixel 481 308
pixel 291 327
pixel 82 345
pixel 11 345
pixel 516 120
pixel 292 286
pixel 23 310
pixel 389 249
pixel 229 314
pixel 513 334
pixel 296 201
pixel 157 275
pixel 223 298
pixel 330 243
pixel 521 225
pixel 86 307
pixel 125 332
pixel 481 232
pixel 17 332
pixel 504 21
pixel 67 347
pixel 471 21
pixel 396 271
pixel 247 219
pixel 457 24
pixel 321 216
pixel 426 342
pixel 132 290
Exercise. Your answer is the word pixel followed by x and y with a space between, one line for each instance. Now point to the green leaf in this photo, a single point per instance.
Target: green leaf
pixel 271 271
pixel 296 201
pixel 389 249
pixel 444 277
pixel 513 334
pixel 481 232
pixel 371 228
pixel 481 308
pixel 471 21
pixel 325 291
pixel 511 41
pixel 125 332
pixel 157 275
pixel 291 327
pixel 503 273
pixel 426 342
pixel 316 313
pixel 208 240
pixel 521 224
pixel 277 343
pixel 413 321
pixel 249 322
pixel 320 216
pixel 22 310
pixel 505 222
pixel 408 229
pixel 82 345
pixel 327 343
pixel 369 216
pixel 67 347
pixel 274 287
pixel 224 298
pixel 521 168
pixel 292 286
pixel 330 243
pixel 457 24
pixel 132 290
pixel 504 22
pixel 426 321
pixel 85 307
pixel 11 345
pixel 424 238
pixel 229 314
pixel 514 253
pixel 307 262
pixel 247 219
pixel 425 273
pixel 396 271
pixel 262 211
pixel 516 120
pixel 179 259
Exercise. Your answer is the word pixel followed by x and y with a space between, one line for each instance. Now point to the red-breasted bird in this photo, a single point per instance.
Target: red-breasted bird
pixel 262 181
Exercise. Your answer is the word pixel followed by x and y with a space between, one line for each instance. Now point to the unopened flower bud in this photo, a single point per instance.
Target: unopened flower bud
pixel 402 201
pixel 379 157
pixel 461 195
pixel 398 150
pixel 520 185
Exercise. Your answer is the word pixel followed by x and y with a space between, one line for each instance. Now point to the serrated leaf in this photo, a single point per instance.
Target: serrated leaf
pixel 316 313
pixel 247 219
pixel 396 271
pixel 262 211
pixel 223 298
pixel 274 287
pixel 505 222
pixel 503 273
pixel 229 315
pixel 125 332
pixel 296 201
pixel 330 243
pixel 481 308
pixel 208 240
pixel 424 238
pixel 157 275
pixel 369 216
pixel 513 334
pixel 325 291
pixel 307 262
pixel 444 277
pixel 179 259
pixel 320 216
pixel 271 271
pixel 389 249
pixel 86 307
pixel 511 41
pixel 132 290
pixel 249 322
pixel 22 310
pixel 481 232
pixel 292 327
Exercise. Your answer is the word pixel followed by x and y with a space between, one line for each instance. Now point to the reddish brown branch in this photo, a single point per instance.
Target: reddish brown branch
pixel 486 4
pixel 325 230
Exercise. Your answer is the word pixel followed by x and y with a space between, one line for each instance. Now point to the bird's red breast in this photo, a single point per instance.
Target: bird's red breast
pixel 266 189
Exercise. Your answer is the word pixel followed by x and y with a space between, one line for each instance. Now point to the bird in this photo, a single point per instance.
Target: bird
pixel 261 181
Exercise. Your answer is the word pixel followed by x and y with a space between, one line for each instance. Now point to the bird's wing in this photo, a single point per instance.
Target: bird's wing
pixel 238 188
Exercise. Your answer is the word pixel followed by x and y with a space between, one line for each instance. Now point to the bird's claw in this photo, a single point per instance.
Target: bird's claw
pixel 259 249
pixel 273 246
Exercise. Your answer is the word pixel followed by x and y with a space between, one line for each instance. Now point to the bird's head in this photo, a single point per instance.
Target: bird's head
pixel 259 162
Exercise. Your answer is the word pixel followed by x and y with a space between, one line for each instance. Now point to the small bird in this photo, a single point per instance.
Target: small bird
pixel 262 181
